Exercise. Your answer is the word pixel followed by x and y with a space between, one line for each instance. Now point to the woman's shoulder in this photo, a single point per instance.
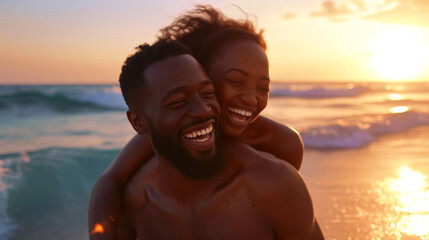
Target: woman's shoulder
pixel 276 138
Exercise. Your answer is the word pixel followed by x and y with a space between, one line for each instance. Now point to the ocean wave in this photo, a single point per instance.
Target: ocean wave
pixel 48 192
pixel 61 102
pixel 314 91
pixel 108 97
pixel 8 163
pixel 358 133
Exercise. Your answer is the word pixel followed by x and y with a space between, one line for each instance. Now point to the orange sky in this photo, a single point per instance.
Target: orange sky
pixel 85 42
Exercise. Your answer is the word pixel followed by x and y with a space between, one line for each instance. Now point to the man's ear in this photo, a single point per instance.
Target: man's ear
pixel 137 121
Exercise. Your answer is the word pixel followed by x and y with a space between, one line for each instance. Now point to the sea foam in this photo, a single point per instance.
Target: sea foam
pixel 9 173
pixel 315 91
pixel 358 133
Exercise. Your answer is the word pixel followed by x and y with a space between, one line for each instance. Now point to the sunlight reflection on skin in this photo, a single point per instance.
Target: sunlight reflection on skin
pixel 408 201
pixel 98 228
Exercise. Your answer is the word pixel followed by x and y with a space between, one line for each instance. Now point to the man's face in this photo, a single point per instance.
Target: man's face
pixel 180 110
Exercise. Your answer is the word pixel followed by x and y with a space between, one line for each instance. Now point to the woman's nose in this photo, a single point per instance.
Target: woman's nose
pixel 249 98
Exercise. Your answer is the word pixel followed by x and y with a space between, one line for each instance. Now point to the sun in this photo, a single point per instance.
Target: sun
pixel 400 56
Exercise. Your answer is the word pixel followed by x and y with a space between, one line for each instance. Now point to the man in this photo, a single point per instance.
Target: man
pixel 200 185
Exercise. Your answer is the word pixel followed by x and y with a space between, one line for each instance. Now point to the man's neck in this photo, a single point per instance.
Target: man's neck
pixel 186 190
pixel 178 186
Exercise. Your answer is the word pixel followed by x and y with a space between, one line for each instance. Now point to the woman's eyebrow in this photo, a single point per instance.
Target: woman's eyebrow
pixel 237 70
pixel 245 73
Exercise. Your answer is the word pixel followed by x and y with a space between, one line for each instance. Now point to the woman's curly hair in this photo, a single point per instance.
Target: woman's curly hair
pixel 205 30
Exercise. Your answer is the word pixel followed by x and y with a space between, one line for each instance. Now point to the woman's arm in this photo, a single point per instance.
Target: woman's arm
pixel 137 152
pixel 105 205
pixel 269 136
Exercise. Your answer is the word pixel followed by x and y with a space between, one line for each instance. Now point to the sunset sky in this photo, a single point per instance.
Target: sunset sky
pixel 86 42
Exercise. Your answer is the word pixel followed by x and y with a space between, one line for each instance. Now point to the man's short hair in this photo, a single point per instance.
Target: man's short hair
pixel 132 78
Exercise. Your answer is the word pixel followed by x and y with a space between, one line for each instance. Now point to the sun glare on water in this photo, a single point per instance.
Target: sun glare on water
pixel 408 197
pixel 399 109
pixel 400 56
pixel 395 97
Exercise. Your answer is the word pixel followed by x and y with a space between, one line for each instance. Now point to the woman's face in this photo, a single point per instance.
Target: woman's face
pixel 241 78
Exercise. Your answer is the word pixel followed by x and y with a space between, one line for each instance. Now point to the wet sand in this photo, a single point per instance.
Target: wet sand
pixel 376 192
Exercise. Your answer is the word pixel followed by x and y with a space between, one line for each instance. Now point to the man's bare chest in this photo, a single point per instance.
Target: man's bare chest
pixel 226 216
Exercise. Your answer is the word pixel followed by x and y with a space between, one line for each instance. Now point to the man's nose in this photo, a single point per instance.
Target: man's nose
pixel 199 108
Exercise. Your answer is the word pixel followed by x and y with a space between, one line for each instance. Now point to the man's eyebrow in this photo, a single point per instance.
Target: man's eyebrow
pixel 173 91
pixel 181 88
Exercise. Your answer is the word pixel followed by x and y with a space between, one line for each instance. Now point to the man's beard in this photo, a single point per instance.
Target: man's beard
pixel 174 151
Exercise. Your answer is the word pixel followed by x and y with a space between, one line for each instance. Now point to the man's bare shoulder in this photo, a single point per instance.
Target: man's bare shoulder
pixel 263 162
pixel 279 191
pixel 265 170
pixel 277 178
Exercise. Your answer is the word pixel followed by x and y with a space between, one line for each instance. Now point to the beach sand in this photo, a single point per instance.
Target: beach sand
pixel 376 192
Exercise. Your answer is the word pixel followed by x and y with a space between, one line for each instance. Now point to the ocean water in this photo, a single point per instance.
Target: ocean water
pixel 56 140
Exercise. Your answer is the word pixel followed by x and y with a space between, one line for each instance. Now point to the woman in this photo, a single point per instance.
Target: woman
pixel 233 55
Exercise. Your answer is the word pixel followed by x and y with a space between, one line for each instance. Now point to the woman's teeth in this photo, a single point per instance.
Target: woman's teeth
pixel 240 111
pixel 200 133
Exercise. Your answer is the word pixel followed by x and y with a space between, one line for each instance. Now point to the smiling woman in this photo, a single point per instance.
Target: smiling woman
pixel 400 56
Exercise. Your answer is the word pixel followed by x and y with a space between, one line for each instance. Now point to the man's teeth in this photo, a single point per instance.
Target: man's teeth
pixel 200 132
pixel 240 111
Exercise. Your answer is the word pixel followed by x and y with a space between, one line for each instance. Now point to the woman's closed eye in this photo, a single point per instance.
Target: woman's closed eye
pixel 264 89
pixel 235 82
pixel 263 85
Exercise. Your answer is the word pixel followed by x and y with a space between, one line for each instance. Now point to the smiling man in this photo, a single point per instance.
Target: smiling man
pixel 200 184
pixel 177 108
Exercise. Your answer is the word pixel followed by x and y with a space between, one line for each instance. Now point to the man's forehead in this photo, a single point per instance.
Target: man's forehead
pixel 174 72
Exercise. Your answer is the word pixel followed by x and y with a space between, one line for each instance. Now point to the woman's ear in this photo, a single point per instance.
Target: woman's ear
pixel 137 121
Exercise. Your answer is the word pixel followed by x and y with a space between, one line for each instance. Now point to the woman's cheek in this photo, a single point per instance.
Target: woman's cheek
pixel 223 92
